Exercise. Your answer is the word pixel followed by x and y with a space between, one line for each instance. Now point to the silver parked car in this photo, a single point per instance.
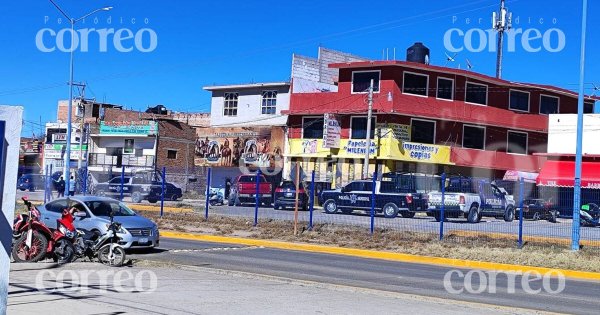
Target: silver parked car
pixel 136 232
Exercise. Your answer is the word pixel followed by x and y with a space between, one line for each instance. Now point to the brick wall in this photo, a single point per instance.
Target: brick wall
pixel 180 137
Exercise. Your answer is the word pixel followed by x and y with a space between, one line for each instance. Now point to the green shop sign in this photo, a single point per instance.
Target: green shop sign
pixel 142 127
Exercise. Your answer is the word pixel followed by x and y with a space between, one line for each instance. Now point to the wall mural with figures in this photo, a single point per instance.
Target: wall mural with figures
pixel 234 146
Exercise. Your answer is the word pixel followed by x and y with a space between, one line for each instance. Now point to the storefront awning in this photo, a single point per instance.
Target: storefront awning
pixel 562 173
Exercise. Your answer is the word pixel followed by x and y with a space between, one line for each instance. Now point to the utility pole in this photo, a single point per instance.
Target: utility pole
pixel 501 22
pixel 81 120
pixel 579 142
pixel 369 116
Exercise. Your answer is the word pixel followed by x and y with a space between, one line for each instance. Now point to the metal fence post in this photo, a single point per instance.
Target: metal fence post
pixel 443 210
pixel 162 191
pixel 85 179
pixel 521 213
pixel 122 181
pixel 46 184
pixel 373 202
pixel 312 200
pixel 50 197
pixel 257 199
pixel 207 193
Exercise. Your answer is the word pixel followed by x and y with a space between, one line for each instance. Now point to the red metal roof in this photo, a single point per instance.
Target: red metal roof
pixel 562 173
pixel 466 73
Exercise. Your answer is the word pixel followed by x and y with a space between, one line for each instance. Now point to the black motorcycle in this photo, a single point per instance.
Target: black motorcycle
pixel 105 247
pixel 589 215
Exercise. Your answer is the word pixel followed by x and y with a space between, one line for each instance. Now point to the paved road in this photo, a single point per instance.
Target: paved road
pixel 419 223
pixel 90 288
pixel 578 297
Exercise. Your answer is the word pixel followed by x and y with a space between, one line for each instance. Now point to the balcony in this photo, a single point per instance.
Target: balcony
pixel 101 159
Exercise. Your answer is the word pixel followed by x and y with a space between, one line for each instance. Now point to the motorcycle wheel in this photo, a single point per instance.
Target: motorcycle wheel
pixel 35 253
pixel 64 252
pixel 116 260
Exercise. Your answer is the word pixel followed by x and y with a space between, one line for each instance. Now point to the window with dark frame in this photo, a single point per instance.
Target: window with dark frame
pixel 476 93
pixel 415 84
pixel 422 131
pixel 359 128
pixel 548 105
pixel 361 81
pixel 588 108
pixel 517 142
pixel 128 146
pixel 230 105
pixel 172 154
pixel 269 102
pixel 519 101
pixel 474 137
pixel 312 128
pixel 445 87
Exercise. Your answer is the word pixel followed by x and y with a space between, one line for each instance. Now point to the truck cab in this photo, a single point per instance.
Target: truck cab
pixel 415 186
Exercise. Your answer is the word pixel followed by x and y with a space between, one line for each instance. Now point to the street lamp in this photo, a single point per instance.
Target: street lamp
pixel 67 172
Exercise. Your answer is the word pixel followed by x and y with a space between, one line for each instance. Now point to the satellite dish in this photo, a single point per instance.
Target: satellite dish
pixel 469 64
pixel 450 58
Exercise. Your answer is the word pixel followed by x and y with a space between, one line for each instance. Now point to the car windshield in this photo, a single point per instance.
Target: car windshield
pixel 102 208
pixel 291 185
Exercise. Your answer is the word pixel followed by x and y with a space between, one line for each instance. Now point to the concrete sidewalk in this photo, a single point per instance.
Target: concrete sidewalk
pixel 89 288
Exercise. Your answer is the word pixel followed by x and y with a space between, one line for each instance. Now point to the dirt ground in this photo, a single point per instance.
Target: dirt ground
pixel 453 246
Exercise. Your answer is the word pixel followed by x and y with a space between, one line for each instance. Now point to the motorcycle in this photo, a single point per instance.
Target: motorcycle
pixel 33 240
pixel 589 215
pixel 105 248
pixel 216 197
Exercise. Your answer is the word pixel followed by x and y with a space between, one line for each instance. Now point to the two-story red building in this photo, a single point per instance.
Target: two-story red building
pixel 427 119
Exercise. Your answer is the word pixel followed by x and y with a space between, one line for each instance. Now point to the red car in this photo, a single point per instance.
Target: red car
pixel 243 190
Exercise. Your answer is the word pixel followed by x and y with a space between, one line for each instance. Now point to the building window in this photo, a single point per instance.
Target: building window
pixel 361 81
pixel 445 88
pixel 588 108
pixel 548 104
pixel 128 147
pixel 172 154
pixel 269 102
pixel 519 101
pixel 422 131
pixel 358 125
pixel 476 93
pixel 230 105
pixel 473 137
pixel 517 142
pixel 415 83
pixel 312 128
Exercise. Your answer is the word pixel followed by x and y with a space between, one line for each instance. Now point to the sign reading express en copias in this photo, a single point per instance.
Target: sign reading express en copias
pixel 142 127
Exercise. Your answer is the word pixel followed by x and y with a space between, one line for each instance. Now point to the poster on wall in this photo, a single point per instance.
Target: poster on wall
pixel 399 132
pixel 231 146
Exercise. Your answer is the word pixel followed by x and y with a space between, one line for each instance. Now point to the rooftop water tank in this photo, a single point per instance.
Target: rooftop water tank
pixel 418 53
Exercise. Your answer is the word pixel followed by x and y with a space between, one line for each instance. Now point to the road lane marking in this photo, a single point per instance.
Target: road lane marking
pixel 364 253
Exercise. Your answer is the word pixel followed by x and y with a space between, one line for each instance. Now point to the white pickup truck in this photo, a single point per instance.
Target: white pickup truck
pixel 472 199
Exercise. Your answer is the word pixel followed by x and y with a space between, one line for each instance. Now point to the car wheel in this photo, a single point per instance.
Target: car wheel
pixel 152 200
pixel 32 189
pixel 390 211
pixel 536 216
pixel 22 189
pixel 136 197
pixel 509 214
pixel 473 215
pixel 330 207
pixel 174 197
pixel 553 216
pixel 408 214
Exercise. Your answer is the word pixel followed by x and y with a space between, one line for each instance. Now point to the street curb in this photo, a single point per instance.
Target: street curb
pixel 539 239
pixel 400 257
pixel 139 207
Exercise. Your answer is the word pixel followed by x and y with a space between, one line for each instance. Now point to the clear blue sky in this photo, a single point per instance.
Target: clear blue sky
pixel 206 42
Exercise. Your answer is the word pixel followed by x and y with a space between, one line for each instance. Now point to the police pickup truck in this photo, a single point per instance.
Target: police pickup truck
pixel 357 195
pixel 415 186
pixel 472 199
